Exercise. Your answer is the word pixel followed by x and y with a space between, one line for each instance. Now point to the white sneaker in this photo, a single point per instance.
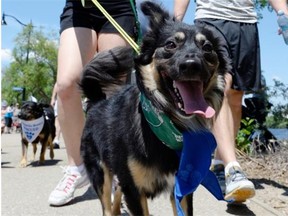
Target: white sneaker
pixel 64 191
pixel 238 187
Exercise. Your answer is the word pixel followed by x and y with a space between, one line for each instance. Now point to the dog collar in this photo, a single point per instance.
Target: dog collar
pixel 161 125
pixel 31 129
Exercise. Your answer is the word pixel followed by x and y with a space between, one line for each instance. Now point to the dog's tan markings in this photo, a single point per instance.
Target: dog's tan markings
pixel 146 177
pixel 142 176
pixel 106 196
pixel 183 203
pixel 179 36
pixel 200 37
pixel 116 210
pixel 144 204
pixel 50 144
pixel 34 151
pixel 150 76
pixel 23 162
pixel 151 79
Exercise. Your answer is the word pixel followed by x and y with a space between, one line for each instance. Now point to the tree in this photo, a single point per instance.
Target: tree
pixel 278 117
pixel 34 66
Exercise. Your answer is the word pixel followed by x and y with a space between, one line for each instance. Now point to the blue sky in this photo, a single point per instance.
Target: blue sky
pixel 45 13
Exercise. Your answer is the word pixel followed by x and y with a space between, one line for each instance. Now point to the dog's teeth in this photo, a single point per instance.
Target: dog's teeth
pixel 190 60
pixel 180 106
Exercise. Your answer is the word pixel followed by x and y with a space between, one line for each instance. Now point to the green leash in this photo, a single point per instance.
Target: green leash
pixel 161 125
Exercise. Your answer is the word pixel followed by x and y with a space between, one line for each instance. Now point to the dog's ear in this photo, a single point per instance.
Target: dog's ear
pixel 158 18
pixel 155 13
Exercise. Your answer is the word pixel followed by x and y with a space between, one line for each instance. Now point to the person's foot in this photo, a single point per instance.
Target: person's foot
pixel 238 187
pixel 64 191
pixel 219 172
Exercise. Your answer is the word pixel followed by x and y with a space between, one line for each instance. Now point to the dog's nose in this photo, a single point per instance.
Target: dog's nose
pixel 190 65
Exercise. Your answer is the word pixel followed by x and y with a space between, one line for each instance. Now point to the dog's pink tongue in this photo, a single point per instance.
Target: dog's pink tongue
pixel 192 96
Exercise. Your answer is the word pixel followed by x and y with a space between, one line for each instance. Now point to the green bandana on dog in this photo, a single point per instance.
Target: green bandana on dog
pixel 161 125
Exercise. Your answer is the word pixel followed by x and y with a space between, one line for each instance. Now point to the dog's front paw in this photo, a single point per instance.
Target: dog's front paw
pixel 23 163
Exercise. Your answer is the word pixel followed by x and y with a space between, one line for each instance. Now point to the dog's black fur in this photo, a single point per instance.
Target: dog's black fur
pixel 117 140
pixel 30 111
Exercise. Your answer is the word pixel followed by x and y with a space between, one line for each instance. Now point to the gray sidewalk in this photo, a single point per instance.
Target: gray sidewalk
pixel 25 191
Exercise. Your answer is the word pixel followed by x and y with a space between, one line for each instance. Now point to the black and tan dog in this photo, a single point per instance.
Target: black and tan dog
pixel 31 111
pixel 180 71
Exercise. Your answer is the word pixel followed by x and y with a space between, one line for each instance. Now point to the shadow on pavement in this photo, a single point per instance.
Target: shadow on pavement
pixel 47 163
pixel 4 165
pixel 258 184
pixel 239 209
pixel 88 195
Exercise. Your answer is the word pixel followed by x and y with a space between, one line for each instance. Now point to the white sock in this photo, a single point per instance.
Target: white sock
pixel 217 162
pixel 77 169
pixel 231 164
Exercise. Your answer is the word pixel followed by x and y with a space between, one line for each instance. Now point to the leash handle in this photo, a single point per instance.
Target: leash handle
pixel 132 43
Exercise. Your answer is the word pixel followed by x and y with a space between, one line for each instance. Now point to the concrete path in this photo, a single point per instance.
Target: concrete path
pixel 25 191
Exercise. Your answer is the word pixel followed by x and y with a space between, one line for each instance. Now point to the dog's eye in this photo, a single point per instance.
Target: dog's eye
pixel 207 47
pixel 170 45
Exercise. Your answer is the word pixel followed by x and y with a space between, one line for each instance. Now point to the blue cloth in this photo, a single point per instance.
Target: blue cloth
pixel 195 161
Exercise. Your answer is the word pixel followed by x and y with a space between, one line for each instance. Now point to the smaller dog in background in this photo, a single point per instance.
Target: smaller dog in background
pixel 38 125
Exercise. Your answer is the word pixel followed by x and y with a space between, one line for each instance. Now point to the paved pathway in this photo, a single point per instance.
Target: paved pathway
pixel 25 191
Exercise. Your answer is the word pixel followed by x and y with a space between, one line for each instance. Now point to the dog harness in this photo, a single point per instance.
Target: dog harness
pixel 194 150
pixel 31 129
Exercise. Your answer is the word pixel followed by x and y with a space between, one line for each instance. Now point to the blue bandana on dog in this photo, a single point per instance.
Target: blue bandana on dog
pixel 194 149
pixel 195 160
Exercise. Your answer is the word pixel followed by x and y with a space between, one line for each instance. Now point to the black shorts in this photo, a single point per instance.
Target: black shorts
pixel 243 48
pixel 75 15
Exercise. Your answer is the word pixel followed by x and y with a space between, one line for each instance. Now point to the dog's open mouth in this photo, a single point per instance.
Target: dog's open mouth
pixel 191 99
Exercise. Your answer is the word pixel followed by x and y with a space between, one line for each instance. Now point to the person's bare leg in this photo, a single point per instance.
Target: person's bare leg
pixel 237 187
pixel 222 129
pixel 77 47
pixel 108 41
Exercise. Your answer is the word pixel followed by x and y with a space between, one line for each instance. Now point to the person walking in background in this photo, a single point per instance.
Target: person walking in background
pixel 16 120
pixel 8 119
pixel 53 103
pixel 83 33
pixel 236 23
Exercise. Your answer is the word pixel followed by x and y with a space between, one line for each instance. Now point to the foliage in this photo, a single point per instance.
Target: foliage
pixel 34 66
pixel 243 140
pixel 278 117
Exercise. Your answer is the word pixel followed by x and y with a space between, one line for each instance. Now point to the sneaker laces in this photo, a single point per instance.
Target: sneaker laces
pixel 67 180
pixel 236 175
